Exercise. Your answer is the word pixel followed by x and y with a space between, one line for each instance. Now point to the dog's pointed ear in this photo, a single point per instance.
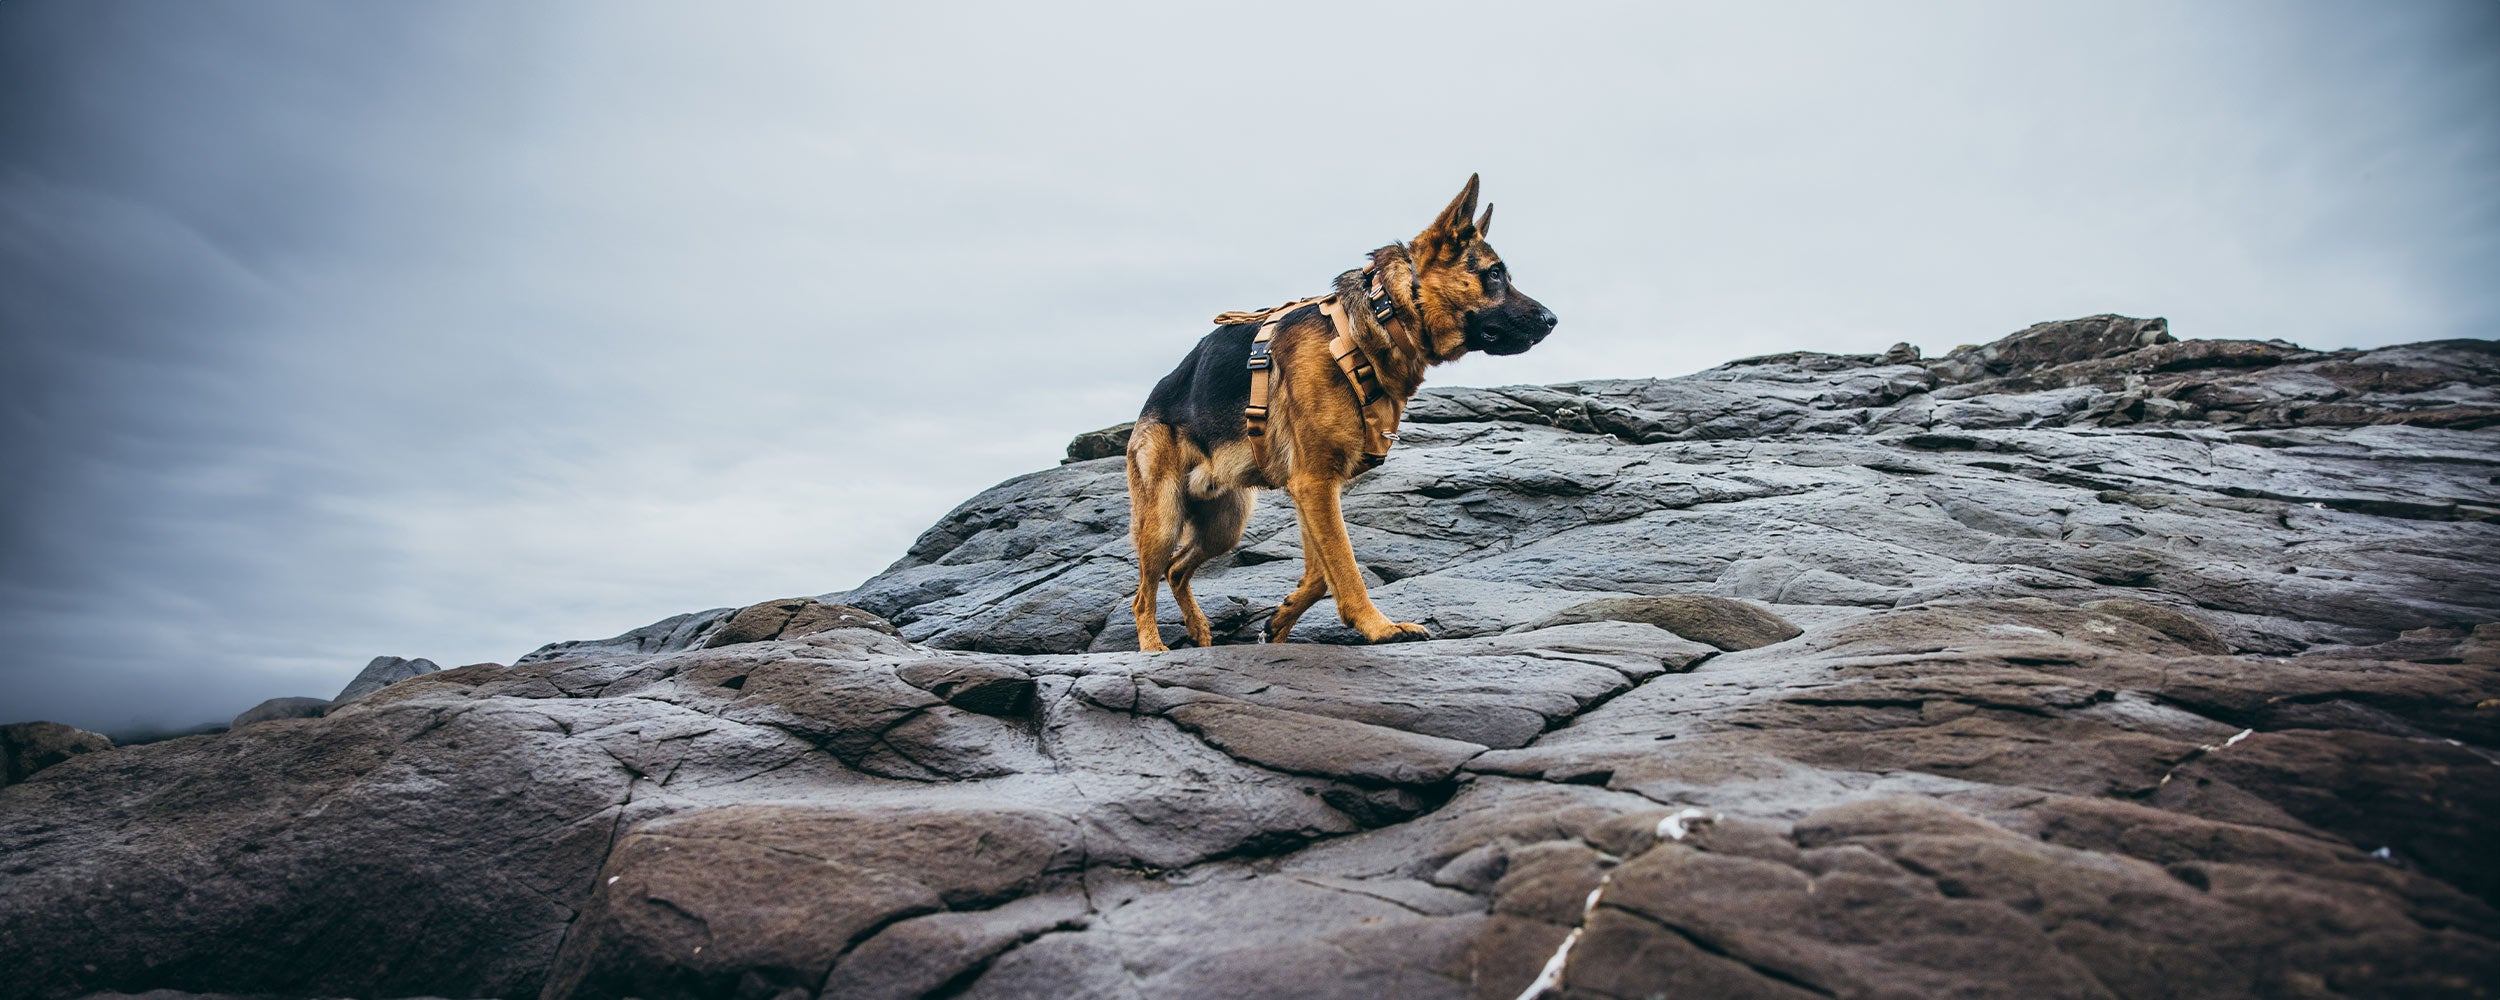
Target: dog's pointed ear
pixel 1484 226
pixel 1456 227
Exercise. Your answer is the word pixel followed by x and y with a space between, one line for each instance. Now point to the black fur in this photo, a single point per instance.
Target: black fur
pixel 1206 395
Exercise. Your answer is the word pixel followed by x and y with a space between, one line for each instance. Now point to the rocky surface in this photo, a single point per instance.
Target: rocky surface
pixel 28 747
pixel 2086 663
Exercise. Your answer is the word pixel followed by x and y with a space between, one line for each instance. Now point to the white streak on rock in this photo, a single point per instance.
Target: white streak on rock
pixel 2203 750
pixel 1550 977
pixel 1674 826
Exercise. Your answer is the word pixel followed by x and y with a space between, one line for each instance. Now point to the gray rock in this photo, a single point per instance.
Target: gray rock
pixel 2087 663
pixel 383 672
pixel 987 688
pixel 28 747
pixel 668 635
pixel 282 708
pixel 288 859
pixel 1718 621
pixel 2047 345
pixel 790 618
pixel 1296 743
pixel 1109 442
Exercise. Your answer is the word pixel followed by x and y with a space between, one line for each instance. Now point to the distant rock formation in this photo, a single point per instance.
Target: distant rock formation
pixel 28 747
pixel 383 672
pixel 2087 663
pixel 282 708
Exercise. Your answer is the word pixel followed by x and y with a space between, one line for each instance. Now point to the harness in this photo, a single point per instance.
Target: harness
pixel 1378 410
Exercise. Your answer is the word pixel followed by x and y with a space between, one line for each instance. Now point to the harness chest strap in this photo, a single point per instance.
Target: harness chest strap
pixel 1379 410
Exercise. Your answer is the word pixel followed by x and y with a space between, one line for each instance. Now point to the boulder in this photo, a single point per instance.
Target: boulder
pixel 28 747
pixel 790 618
pixel 667 635
pixel 2047 345
pixel 282 708
pixel 1109 442
pixel 382 672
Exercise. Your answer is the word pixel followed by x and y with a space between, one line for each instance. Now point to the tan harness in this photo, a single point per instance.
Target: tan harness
pixel 1378 410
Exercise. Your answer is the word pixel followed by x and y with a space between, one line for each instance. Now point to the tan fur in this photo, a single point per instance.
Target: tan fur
pixel 1189 506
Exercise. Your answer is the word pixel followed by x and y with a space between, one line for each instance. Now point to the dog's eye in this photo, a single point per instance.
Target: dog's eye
pixel 1494 277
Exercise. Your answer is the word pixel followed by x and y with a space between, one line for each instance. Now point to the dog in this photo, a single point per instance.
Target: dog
pixel 1304 397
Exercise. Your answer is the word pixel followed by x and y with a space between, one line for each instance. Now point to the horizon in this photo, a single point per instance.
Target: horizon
pixel 344 332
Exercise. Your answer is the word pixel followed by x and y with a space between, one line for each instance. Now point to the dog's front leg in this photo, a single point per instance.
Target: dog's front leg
pixel 1326 545
pixel 1313 587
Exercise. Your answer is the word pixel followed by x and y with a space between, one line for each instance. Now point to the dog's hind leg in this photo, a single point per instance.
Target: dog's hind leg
pixel 1155 520
pixel 1214 528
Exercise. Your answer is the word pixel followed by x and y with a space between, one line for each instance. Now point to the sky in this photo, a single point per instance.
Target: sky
pixel 451 329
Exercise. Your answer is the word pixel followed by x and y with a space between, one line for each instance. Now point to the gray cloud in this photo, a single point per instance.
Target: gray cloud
pixel 450 329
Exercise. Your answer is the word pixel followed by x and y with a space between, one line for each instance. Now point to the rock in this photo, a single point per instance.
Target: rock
pixel 790 618
pixel 1109 442
pixel 987 688
pixel 919 956
pixel 2083 664
pixel 28 747
pixel 1727 624
pixel 667 635
pixel 383 672
pixel 287 859
pixel 1305 744
pixel 282 708
pixel 2178 626
pixel 763 899
pixel 1822 480
pixel 2046 345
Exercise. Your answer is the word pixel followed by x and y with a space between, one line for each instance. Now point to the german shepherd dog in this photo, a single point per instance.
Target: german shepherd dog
pixel 1196 458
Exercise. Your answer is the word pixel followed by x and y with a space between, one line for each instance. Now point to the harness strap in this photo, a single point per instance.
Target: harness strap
pixel 1378 410
pixel 1262 382
pixel 1263 388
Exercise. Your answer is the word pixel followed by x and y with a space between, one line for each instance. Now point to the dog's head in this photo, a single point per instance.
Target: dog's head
pixel 1466 294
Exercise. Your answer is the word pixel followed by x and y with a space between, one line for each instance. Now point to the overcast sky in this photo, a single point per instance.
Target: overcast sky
pixel 450 329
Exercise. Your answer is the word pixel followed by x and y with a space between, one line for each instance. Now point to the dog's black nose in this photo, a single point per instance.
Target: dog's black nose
pixel 1547 317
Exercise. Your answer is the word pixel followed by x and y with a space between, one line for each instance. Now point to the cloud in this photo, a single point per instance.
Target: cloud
pixel 451 329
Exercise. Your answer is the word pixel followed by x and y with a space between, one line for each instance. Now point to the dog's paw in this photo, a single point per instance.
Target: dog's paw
pixel 1399 632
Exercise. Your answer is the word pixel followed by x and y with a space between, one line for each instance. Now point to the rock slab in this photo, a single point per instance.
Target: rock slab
pixel 2087 663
